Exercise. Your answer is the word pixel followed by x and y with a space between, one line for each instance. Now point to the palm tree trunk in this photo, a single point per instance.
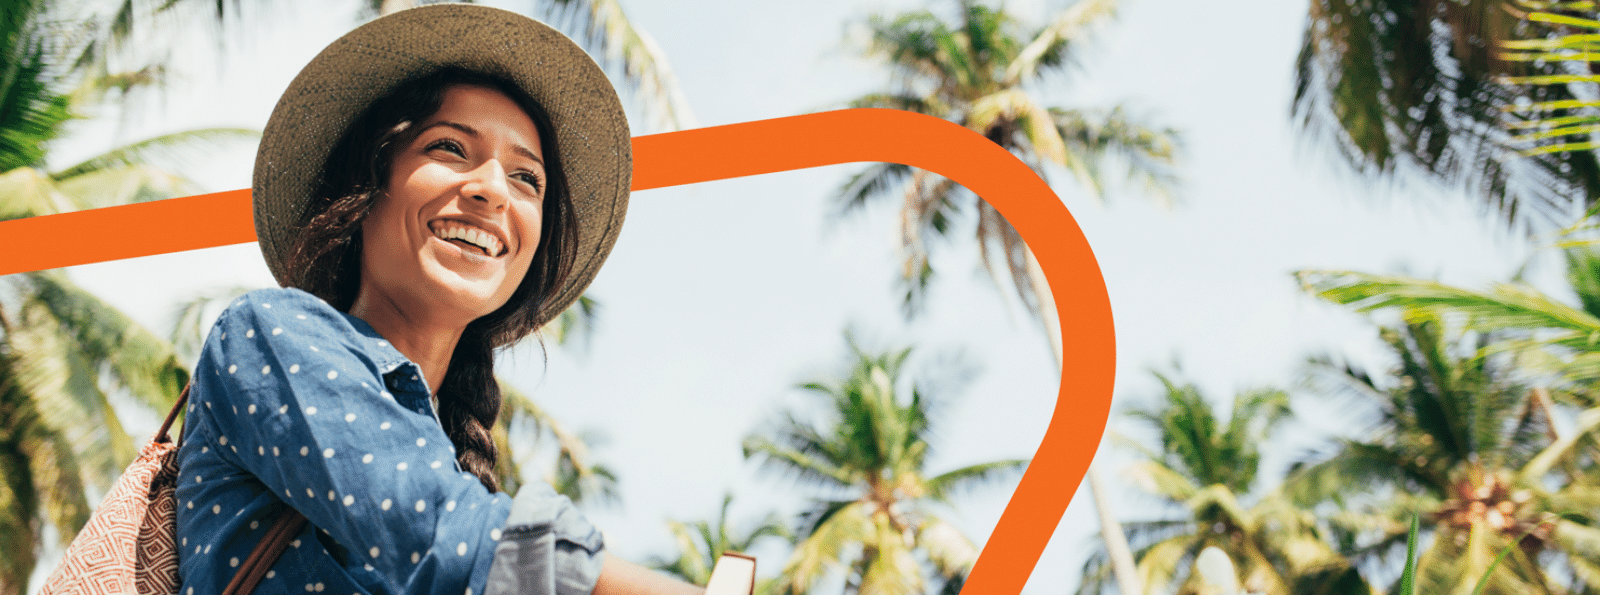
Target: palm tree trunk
pixel 1110 530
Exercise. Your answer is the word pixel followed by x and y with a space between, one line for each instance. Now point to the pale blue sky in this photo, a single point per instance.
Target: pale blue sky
pixel 719 297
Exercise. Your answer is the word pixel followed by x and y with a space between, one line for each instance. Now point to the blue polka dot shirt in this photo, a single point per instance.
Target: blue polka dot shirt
pixel 296 403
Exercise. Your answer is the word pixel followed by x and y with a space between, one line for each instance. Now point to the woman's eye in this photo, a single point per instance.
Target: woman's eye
pixel 531 180
pixel 447 145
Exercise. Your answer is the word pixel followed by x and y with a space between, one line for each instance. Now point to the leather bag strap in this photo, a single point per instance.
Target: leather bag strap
pixel 277 539
pixel 273 543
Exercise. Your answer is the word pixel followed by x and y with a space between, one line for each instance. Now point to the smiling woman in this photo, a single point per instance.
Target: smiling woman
pixel 435 185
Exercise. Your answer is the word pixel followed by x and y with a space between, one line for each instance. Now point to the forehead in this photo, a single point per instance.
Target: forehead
pixel 490 113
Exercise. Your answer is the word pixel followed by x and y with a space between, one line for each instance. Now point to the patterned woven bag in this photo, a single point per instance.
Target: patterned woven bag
pixel 129 545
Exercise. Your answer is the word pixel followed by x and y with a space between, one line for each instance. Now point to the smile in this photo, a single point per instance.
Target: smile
pixel 477 237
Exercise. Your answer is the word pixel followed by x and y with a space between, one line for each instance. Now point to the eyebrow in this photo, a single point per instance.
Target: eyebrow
pixel 473 132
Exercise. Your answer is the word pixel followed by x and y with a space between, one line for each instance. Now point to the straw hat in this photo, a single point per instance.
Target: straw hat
pixel 365 64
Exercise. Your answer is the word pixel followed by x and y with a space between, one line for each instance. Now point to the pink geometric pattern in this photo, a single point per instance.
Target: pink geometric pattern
pixel 130 543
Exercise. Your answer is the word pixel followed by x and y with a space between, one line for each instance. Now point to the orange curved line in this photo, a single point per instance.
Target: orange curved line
pixel 748 149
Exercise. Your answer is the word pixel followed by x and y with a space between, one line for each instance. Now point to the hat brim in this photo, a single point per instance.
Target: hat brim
pixel 364 65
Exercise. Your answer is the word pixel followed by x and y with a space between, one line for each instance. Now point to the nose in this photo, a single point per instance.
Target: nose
pixel 487 185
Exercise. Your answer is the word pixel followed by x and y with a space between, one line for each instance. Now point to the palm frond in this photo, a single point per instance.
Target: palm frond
pixel 602 24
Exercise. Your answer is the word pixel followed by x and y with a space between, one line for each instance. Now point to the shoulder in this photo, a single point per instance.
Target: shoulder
pixel 273 317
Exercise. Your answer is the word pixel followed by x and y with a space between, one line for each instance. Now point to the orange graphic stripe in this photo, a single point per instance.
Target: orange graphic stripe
pixel 783 144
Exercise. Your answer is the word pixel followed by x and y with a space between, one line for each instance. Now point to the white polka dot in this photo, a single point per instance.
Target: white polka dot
pixel 266 305
pixel 251 409
pixel 383 343
pixel 261 450
pixel 266 369
pixel 310 493
pixel 197 549
pixel 331 496
pixel 305 450
pixel 451 505
pixel 197 479
pixel 208 549
pixel 469 590
pixel 319 587
pixel 314 348
pixel 287 494
pixel 295 543
pixel 231 369
pixel 224 336
pixel 191 505
pixel 436 464
pixel 367 458
pixel 272 573
pixel 461 550
pixel 250 333
pixel 386 504
pixel 333 374
pixel 205 449
pixel 185 542
pixel 216 509
pixel 294 369
pixel 369 569
pixel 310 587
pixel 401 467
pixel 300 316
pixel 494 534
pixel 415 557
pixel 311 411
pixel 254 524
pixel 348 500
pixel 383 426
pixel 191 590
pixel 422 442
pixel 421 506
pixel 234 562
pixel 327 453
pixel 235 409
pixel 365 385
pixel 223 440
pixel 349 417
pixel 283 409
pixel 388 396
pixel 373 551
pixel 235 448
pixel 274 451
pixel 277 331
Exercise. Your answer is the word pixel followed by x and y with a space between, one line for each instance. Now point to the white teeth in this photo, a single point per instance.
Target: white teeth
pixel 470 235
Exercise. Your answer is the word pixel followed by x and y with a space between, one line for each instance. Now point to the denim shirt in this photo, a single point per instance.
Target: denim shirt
pixel 296 403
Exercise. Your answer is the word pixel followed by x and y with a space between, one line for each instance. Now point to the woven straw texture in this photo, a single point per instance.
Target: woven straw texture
pixel 130 543
pixel 590 127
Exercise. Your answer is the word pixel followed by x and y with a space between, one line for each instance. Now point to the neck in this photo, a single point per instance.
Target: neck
pixel 428 343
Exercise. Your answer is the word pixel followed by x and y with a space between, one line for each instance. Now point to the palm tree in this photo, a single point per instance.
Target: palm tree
pixel 981 71
pixel 1398 86
pixel 601 25
pixel 1461 440
pixel 1208 467
pixel 702 543
pixel 63 350
pixel 874 520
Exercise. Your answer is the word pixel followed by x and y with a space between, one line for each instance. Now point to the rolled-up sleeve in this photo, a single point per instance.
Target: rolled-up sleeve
pixel 548 548
pixel 291 394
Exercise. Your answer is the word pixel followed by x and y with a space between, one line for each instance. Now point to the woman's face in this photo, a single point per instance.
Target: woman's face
pixel 456 226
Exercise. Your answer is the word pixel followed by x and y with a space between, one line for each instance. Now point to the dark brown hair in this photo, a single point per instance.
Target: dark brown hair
pixel 326 257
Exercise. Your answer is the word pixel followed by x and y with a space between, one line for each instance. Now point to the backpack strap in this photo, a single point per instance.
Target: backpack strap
pixel 273 543
pixel 277 539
